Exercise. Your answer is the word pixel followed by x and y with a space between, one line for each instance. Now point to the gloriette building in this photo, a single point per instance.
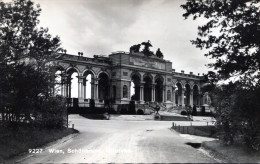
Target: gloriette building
pixel 153 78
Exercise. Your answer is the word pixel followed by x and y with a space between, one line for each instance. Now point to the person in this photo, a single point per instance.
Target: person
pixel 188 109
pixel 157 108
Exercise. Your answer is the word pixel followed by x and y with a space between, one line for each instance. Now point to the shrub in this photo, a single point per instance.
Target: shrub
pixel 53 113
pixel 92 103
pixel 132 107
pixel 194 110
pixel 238 115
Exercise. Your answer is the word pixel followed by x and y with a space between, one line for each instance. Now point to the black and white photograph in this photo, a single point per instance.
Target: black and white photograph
pixel 129 81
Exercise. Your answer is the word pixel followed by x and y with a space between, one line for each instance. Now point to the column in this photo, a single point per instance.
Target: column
pixel 84 88
pixel 69 87
pixel 141 92
pixel 191 98
pixel 182 98
pixel 96 89
pixel 153 92
pixel 173 96
pixel 92 89
pixel 80 87
pixel 63 85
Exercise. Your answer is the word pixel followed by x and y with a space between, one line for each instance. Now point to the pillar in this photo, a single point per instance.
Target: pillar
pixel 199 99
pixel 141 92
pixel 69 87
pixel 92 88
pixel 84 88
pixel 191 98
pixel 163 97
pixel 81 86
pixel 64 81
pixel 173 96
pixel 153 92
pixel 182 98
pixel 96 89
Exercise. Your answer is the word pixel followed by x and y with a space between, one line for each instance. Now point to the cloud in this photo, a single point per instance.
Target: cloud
pixel 105 26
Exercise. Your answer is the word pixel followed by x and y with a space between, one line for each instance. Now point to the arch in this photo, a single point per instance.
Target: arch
pixel 159 77
pixel 125 91
pixel 56 79
pixel 88 84
pixel 148 88
pixel 149 75
pixel 195 86
pixel 103 86
pixel 71 70
pixel 179 83
pixel 135 73
pixel 56 68
pixel 72 83
pixel 178 93
pixel 187 94
pixel 196 96
pixel 105 72
pixel 159 90
pixel 88 71
pixel 136 79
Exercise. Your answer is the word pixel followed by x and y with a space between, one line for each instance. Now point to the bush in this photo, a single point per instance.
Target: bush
pixel 203 111
pixel 53 113
pixel 194 110
pixel 131 107
pixel 123 111
pixel 140 112
pixel 238 114
pixel 92 103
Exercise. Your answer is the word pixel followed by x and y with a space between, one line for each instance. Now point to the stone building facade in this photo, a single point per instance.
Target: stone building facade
pixel 153 78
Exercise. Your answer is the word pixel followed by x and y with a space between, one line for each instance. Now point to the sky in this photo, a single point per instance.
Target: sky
pixel 100 27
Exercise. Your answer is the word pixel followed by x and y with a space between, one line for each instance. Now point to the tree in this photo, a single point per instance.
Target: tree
pixel 25 48
pixel 232 36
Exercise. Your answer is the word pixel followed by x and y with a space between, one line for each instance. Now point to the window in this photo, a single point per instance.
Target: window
pixel 125 92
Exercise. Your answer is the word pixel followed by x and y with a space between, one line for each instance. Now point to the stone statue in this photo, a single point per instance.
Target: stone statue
pixel 135 48
pixel 146 49
pixel 159 54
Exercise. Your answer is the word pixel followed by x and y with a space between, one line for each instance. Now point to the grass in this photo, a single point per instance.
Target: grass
pixel 236 153
pixel 18 139
pixel 205 131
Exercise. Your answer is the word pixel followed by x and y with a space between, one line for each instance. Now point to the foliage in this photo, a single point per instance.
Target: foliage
pixel 131 107
pixel 54 115
pixel 237 114
pixel 231 35
pixel 25 50
pixel 92 103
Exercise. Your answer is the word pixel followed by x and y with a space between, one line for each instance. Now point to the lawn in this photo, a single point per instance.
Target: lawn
pixel 19 139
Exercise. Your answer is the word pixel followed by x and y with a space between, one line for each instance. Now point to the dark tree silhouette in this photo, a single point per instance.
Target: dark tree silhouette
pixel 231 35
pixel 25 49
